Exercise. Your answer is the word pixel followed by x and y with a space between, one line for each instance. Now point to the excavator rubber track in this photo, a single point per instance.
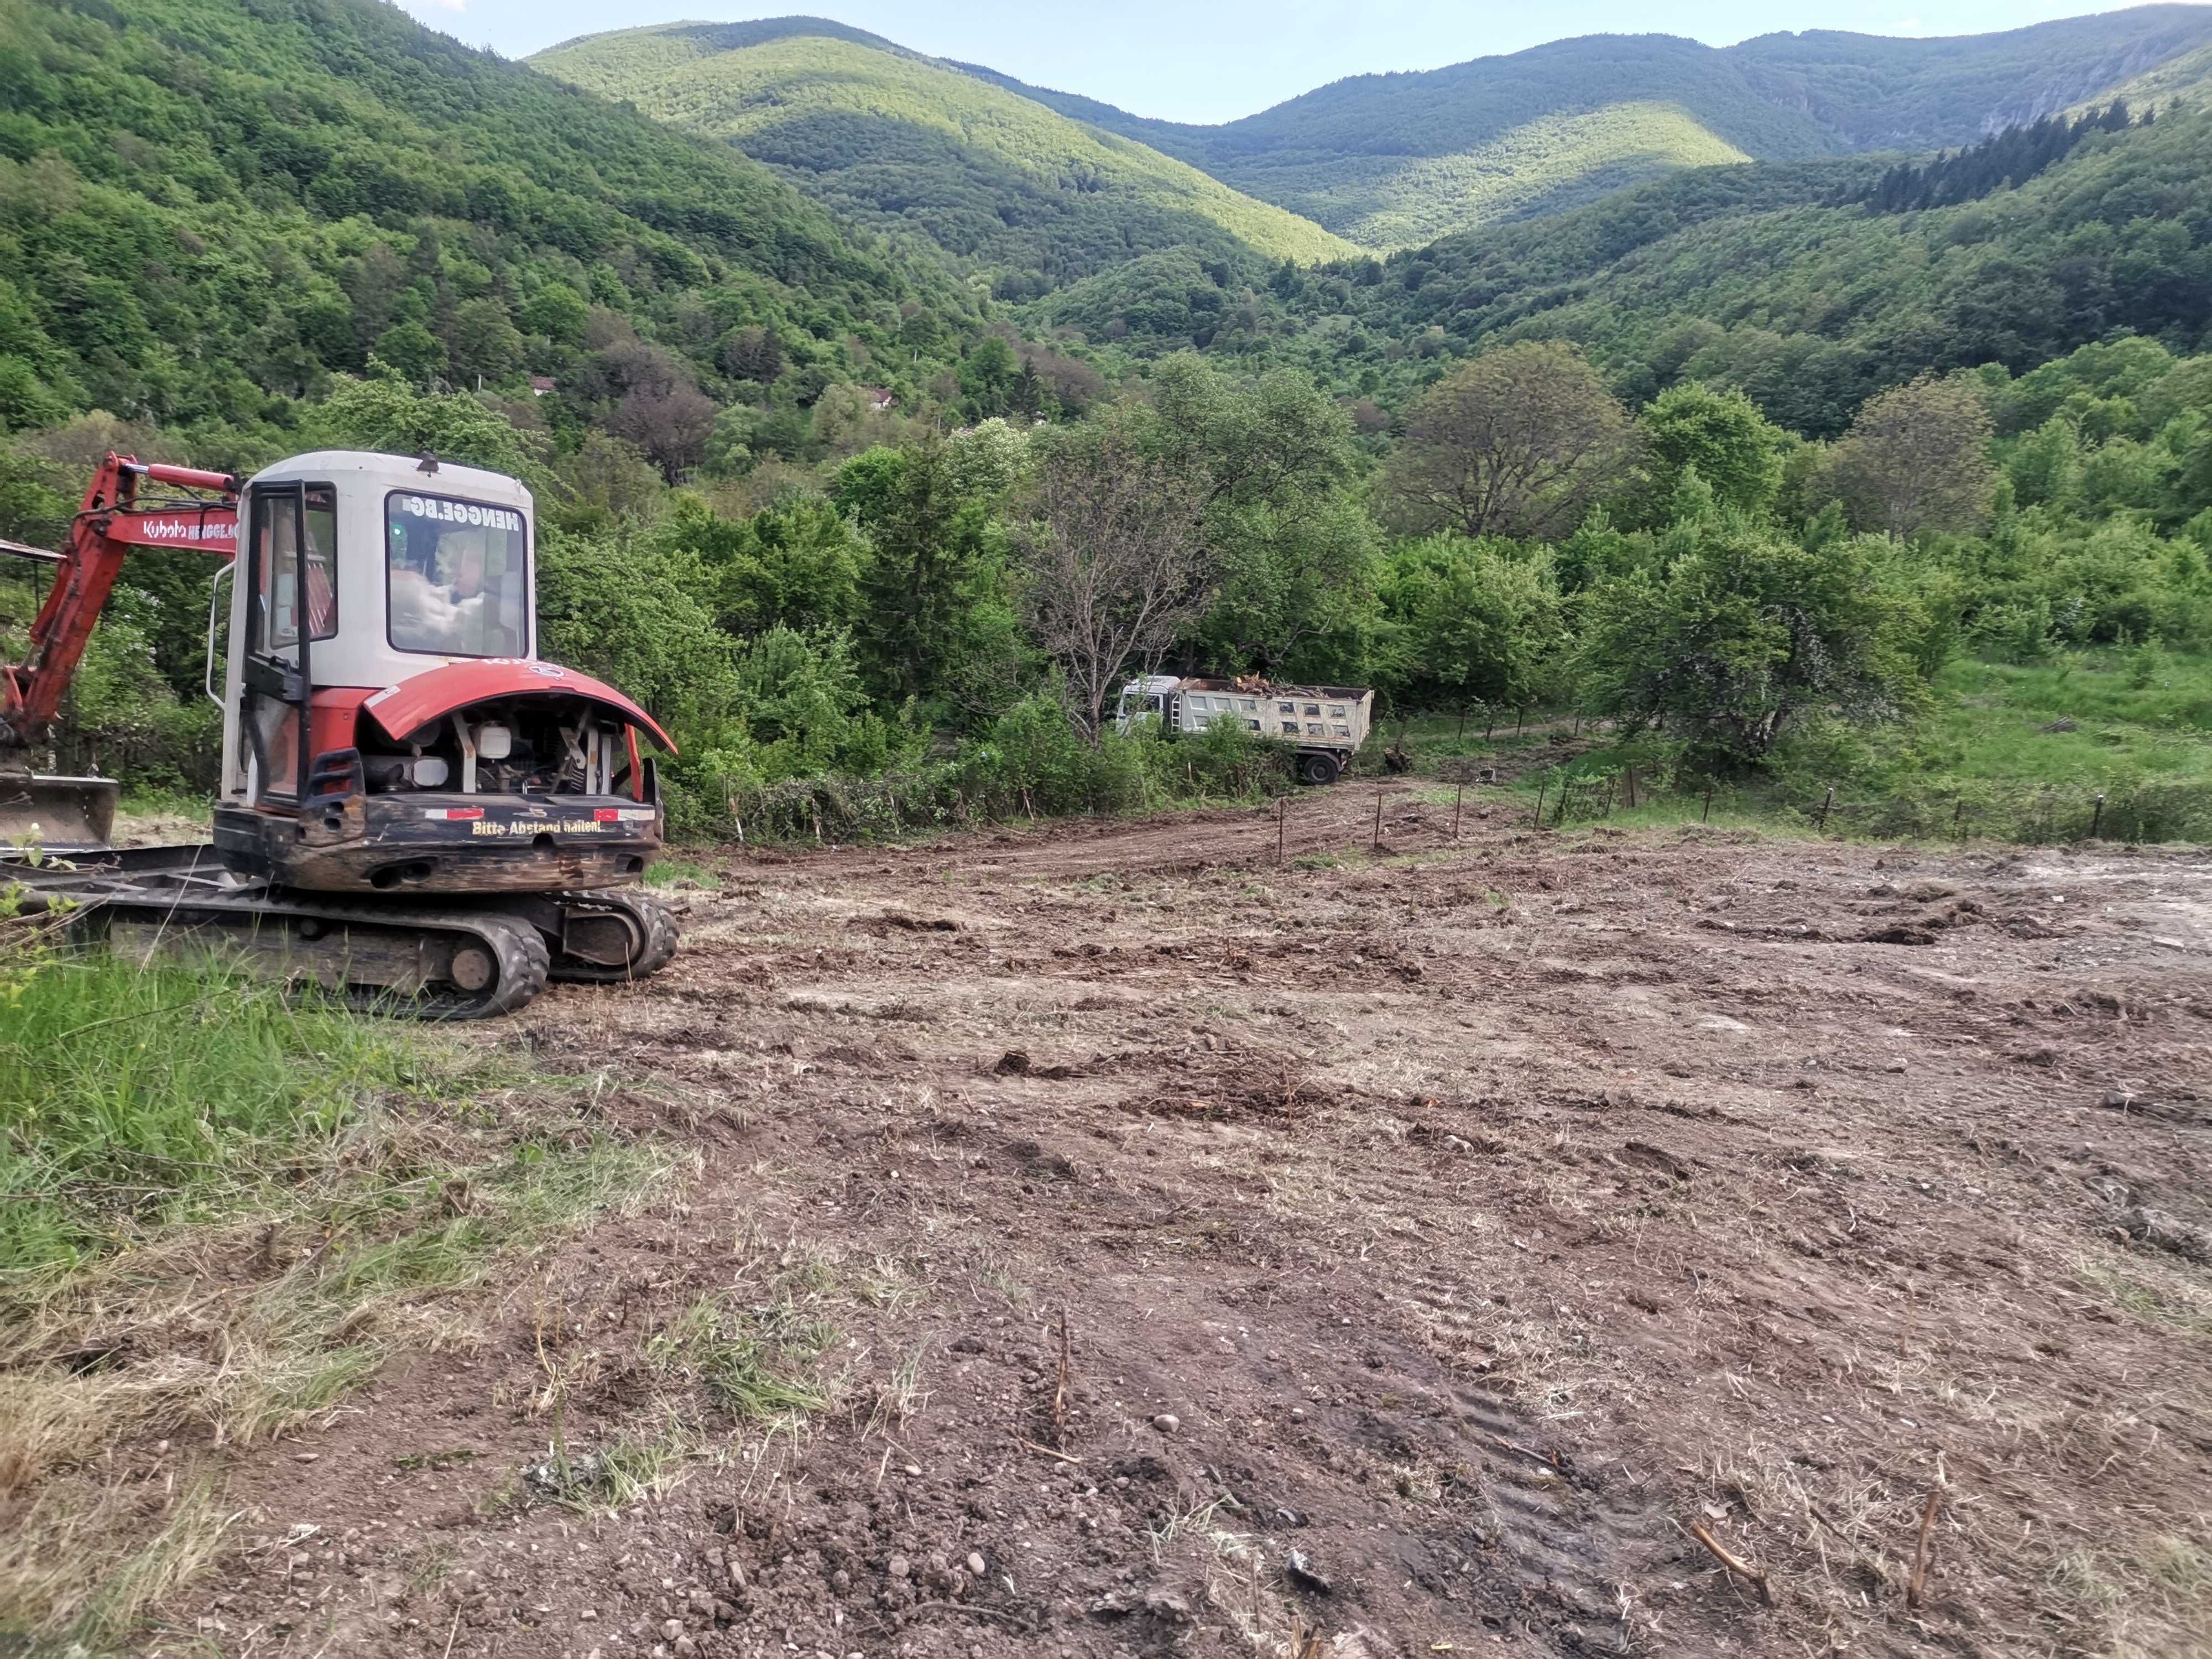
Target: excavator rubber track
pixel 457 962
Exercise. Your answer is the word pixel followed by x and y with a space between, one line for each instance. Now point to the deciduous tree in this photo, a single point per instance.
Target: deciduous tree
pixel 1916 458
pixel 1744 636
pixel 1519 442
pixel 1113 567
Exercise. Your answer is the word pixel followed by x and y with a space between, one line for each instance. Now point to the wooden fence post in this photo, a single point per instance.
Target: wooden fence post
pixel 1705 816
pixel 1826 805
pixel 2097 819
pixel 1543 784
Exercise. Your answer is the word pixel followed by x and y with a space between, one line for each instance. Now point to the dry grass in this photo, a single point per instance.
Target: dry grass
pixel 269 1277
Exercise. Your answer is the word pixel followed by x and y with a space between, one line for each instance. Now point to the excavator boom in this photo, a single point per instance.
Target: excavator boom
pixel 118 515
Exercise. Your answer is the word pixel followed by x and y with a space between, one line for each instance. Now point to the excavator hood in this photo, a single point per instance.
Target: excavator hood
pixel 414 702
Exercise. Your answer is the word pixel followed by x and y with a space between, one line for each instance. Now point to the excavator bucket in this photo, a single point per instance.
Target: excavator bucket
pixel 57 815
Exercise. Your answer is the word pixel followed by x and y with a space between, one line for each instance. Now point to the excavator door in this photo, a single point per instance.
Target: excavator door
pixel 286 573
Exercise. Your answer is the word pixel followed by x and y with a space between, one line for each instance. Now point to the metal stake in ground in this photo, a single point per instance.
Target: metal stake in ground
pixel 1378 819
pixel 1282 817
pixel 1459 799
pixel 1543 784
pixel 1827 803
pixel 2097 819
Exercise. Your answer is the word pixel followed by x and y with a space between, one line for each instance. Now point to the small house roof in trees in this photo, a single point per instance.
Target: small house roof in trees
pixel 879 398
pixel 540 384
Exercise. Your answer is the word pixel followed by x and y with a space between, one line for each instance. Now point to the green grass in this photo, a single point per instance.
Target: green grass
pixel 678 873
pixel 750 1362
pixel 268 1198
pixel 134 1099
pixel 2153 718
pixel 2135 727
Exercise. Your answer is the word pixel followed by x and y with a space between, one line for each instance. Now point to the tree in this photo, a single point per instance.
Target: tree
pixel 1734 448
pixel 483 342
pixel 412 350
pixel 929 511
pixel 752 354
pixel 1518 442
pixel 1273 456
pixel 1113 567
pixel 609 480
pixel 1916 458
pixel 988 373
pixel 389 416
pixel 1743 635
pixel 558 312
pixel 670 423
pixel 1470 620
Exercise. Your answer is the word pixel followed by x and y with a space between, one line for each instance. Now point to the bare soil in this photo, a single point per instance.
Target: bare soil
pixel 1440 1237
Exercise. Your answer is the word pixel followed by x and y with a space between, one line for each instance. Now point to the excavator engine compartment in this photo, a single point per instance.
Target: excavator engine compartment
pixel 526 795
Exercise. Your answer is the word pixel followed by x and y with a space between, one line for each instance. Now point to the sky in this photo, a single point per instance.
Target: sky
pixel 1215 60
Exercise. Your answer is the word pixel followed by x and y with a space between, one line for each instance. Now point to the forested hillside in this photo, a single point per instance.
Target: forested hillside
pixel 209 207
pixel 921 150
pixel 1392 161
pixel 1780 280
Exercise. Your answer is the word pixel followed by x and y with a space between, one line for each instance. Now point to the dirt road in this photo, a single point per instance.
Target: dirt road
pixel 1439 1238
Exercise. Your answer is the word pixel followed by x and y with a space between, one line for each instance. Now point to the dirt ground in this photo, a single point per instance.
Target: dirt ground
pixel 1439 1238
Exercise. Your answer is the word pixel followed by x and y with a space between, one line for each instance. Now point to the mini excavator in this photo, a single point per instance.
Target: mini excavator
pixel 416 812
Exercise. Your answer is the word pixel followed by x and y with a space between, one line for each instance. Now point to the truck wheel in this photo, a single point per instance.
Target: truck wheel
pixel 1317 769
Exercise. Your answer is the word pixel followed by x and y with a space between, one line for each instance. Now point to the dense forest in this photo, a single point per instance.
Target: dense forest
pixel 1752 278
pixel 1744 461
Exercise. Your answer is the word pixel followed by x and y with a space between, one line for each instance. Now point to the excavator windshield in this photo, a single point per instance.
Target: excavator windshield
pixel 458 576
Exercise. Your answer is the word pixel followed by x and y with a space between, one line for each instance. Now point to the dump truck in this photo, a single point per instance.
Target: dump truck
pixel 1325 724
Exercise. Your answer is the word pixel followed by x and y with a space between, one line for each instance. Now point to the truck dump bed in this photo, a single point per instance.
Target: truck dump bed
pixel 1332 717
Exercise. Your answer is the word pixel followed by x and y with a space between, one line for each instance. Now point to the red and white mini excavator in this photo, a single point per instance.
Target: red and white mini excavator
pixel 416 812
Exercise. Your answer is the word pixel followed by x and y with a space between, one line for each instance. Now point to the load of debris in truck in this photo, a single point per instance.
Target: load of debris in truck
pixel 1325 724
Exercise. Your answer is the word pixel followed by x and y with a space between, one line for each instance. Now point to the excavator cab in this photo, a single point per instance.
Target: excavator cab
pixel 389 726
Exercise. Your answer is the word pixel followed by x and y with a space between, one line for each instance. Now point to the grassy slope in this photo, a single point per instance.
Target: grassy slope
pixel 1396 160
pixel 2026 749
pixel 904 142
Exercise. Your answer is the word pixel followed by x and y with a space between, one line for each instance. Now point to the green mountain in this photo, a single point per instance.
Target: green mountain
pixel 1394 160
pixel 208 206
pixel 919 148
pixel 1781 279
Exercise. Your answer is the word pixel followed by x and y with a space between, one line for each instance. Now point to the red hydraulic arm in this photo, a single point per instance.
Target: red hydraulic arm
pixel 118 515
